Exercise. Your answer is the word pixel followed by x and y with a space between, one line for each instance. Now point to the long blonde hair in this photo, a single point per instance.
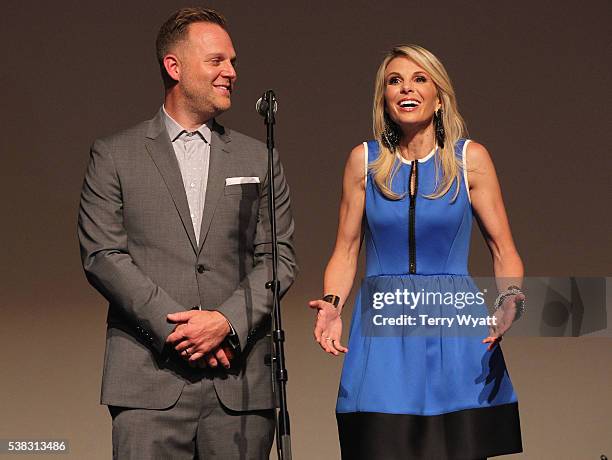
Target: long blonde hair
pixel 386 165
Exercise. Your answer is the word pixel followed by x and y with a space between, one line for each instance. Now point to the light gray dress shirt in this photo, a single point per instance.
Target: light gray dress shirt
pixel 192 150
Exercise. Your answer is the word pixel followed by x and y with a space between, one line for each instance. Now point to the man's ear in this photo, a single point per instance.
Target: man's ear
pixel 172 66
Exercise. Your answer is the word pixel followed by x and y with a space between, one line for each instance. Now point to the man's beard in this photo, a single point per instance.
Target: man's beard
pixel 204 104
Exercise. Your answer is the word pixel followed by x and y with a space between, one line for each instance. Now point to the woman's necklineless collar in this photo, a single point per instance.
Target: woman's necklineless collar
pixel 420 160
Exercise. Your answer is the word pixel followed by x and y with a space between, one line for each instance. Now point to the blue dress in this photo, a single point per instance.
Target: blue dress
pixel 427 392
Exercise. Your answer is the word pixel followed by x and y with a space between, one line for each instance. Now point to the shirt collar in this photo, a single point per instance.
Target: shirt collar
pixel 175 130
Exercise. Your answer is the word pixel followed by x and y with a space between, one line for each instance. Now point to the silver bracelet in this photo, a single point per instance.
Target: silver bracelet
pixel 512 290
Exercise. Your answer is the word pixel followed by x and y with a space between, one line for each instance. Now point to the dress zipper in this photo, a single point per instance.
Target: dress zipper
pixel 412 193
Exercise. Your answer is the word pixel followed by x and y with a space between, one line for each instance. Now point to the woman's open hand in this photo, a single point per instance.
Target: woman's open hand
pixel 504 317
pixel 328 327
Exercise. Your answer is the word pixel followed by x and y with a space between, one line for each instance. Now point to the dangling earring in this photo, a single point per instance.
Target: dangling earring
pixel 439 128
pixel 391 134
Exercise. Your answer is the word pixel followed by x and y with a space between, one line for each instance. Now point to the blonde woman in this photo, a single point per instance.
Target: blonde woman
pixel 420 390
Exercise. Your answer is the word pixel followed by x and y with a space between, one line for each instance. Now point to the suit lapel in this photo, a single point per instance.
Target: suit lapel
pixel 217 172
pixel 160 148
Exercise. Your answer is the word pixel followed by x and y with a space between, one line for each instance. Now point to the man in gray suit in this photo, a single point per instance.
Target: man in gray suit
pixel 174 233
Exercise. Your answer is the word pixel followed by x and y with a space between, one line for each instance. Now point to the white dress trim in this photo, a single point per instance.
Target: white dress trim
pixel 365 163
pixel 421 160
pixel 465 172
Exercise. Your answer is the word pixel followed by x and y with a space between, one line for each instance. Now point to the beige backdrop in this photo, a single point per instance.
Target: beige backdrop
pixel 533 83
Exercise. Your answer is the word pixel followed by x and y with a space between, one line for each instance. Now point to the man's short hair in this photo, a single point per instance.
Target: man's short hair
pixel 175 30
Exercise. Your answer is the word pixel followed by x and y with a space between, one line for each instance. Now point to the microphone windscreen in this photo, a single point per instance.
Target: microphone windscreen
pixel 261 106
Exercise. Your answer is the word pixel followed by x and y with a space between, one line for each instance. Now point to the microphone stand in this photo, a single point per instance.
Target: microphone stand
pixel 283 438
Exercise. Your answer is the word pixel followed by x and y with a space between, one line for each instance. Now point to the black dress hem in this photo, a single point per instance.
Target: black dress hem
pixel 461 435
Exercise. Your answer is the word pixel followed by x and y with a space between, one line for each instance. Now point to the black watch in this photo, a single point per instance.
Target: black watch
pixel 333 299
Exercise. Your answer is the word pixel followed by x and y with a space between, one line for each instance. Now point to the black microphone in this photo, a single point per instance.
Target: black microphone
pixel 262 103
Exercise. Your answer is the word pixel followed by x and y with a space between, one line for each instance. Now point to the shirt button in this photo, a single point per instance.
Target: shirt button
pixel 200 268
pixel 192 184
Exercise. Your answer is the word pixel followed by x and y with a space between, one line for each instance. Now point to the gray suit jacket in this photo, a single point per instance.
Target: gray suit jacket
pixel 139 251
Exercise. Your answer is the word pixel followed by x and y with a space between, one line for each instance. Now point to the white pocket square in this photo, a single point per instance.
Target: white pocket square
pixel 241 180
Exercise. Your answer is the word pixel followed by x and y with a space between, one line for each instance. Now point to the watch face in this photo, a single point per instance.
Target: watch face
pixel 333 299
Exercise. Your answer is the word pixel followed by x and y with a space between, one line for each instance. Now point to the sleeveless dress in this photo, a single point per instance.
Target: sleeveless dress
pixel 424 392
